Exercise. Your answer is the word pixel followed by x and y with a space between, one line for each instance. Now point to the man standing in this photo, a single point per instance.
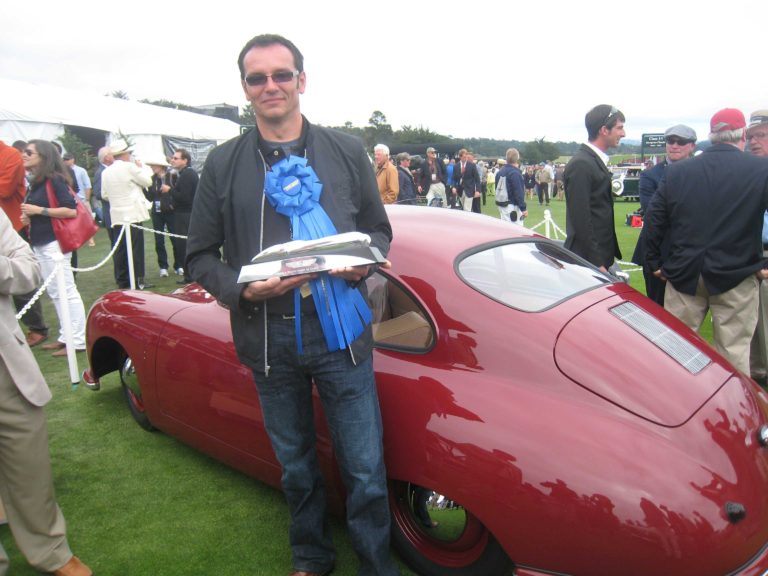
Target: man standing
pixel 681 144
pixel 386 174
pixel 432 181
pixel 544 178
pixel 26 480
pixel 589 223
pixel 122 185
pixel 105 159
pixel 757 139
pixel 407 194
pixel 712 208
pixel 183 194
pixel 466 181
pixel 13 188
pixel 243 206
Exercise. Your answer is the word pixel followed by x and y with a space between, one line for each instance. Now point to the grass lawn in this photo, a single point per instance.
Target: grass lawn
pixel 140 503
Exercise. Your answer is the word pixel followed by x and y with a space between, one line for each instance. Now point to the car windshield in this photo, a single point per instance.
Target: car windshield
pixel 530 275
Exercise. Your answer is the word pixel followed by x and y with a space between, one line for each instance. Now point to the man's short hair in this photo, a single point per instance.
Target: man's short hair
pixel 185 155
pixel 726 136
pixel 402 156
pixel 19 145
pixel 513 156
pixel 264 40
pixel 381 148
pixel 601 115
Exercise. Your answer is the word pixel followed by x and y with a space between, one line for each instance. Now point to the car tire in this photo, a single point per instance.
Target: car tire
pixel 475 552
pixel 132 393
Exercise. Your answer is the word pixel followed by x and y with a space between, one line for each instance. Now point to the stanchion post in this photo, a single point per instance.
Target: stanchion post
pixel 129 250
pixel 547 221
pixel 61 260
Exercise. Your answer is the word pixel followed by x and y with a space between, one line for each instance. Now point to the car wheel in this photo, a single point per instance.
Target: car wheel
pixel 438 537
pixel 132 393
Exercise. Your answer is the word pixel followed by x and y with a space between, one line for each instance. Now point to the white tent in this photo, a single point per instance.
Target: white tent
pixel 29 111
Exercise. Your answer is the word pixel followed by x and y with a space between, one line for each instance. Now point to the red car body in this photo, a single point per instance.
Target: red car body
pixel 569 441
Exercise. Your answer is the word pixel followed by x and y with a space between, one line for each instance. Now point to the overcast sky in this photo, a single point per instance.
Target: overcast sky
pixel 496 69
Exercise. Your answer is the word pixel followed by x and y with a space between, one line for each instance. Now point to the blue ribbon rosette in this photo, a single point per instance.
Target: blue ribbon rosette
pixel 293 189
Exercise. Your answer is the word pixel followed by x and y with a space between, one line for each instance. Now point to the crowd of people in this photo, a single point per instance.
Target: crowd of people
pixel 249 197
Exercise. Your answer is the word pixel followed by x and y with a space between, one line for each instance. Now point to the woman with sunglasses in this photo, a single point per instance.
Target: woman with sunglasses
pixel 45 166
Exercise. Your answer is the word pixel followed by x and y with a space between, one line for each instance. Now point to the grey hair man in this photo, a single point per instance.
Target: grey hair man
pixel 386 174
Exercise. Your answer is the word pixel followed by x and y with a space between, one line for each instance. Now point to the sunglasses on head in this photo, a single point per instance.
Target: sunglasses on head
pixel 678 141
pixel 281 77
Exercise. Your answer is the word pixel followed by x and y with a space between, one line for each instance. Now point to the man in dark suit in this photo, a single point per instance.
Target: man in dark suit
pixel 680 145
pixel 466 180
pixel 590 231
pixel 712 208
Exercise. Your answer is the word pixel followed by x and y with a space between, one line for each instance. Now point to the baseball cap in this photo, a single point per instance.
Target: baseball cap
pixel 727 119
pixel 430 149
pixel 681 131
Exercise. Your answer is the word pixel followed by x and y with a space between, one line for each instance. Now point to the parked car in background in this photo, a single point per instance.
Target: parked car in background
pixel 626 182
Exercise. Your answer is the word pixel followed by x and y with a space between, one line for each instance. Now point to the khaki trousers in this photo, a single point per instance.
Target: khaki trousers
pixel 758 354
pixel 26 482
pixel 734 316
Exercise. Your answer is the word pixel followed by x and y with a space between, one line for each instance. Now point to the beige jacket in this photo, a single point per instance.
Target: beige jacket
pixel 122 186
pixel 19 274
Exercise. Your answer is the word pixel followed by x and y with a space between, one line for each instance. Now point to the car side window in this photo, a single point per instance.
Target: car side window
pixel 398 321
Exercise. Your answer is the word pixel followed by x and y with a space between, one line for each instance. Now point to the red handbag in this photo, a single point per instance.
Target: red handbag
pixel 71 232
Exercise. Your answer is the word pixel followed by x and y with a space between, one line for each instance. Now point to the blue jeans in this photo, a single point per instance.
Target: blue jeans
pixel 351 405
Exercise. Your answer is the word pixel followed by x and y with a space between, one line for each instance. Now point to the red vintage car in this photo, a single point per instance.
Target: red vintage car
pixel 539 416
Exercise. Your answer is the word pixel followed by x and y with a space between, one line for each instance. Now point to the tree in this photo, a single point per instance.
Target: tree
pixel 119 94
pixel 378 130
pixel 247 115
pixel 79 149
pixel 540 151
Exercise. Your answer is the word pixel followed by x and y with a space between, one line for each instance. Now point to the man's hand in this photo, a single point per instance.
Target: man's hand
pixel 762 274
pixel 477 194
pixel 271 287
pixel 660 275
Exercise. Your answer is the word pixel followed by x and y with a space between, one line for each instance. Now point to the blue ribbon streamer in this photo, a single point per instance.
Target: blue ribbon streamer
pixel 294 190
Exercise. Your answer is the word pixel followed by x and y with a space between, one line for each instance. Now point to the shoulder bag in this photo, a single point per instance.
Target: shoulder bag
pixel 71 233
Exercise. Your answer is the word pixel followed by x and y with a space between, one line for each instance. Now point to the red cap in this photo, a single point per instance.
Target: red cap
pixel 727 119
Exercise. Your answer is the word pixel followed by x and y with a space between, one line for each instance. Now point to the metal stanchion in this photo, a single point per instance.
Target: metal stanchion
pixel 129 250
pixel 66 323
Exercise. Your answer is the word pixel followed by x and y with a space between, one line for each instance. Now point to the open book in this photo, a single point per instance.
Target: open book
pixel 311 256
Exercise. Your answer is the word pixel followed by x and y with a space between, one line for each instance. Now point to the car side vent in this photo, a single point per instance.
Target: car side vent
pixel 675 346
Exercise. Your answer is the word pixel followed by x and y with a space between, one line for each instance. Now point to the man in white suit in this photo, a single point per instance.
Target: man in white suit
pixel 122 185
pixel 26 482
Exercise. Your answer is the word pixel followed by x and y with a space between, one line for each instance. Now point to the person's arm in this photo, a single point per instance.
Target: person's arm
pixel 655 224
pixel 11 174
pixel 579 191
pixel 141 175
pixel 19 268
pixel 392 186
pixel 517 187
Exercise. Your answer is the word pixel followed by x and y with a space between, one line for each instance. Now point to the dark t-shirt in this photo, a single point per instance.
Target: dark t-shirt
pixel 40 229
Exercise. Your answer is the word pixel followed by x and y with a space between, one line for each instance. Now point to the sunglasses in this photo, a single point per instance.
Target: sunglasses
pixel 29 152
pixel 757 136
pixel 613 112
pixel 678 141
pixel 282 77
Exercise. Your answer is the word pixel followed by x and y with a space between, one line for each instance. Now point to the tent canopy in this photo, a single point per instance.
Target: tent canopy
pixel 30 111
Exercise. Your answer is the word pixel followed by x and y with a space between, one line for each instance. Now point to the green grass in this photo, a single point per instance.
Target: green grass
pixel 140 503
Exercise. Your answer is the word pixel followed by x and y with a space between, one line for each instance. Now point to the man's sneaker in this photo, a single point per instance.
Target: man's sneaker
pixel 163 273
pixel 179 271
